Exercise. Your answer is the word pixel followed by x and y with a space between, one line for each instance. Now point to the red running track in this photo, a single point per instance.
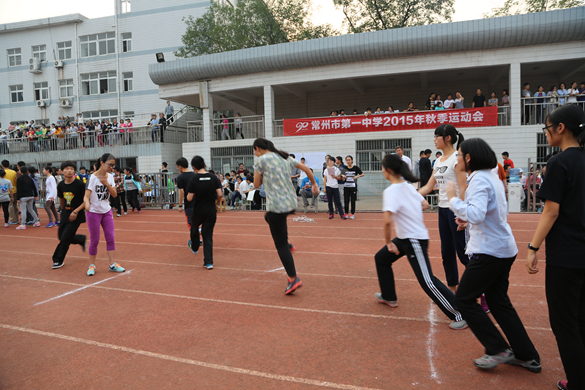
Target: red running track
pixel 169 323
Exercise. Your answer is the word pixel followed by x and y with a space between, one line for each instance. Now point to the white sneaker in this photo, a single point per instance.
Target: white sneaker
pixel 125 213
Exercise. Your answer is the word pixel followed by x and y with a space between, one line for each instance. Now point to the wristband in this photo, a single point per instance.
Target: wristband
pixel 532 248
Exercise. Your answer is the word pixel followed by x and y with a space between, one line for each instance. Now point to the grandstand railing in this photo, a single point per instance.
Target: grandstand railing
pixel 238 128
pixel 195 131
pixel 535 109
pixel 93 139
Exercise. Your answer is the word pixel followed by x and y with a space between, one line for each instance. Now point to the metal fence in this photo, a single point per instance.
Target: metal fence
pixel 535 109
pixel 250 127
pixel 533 182
pixel 195 131
pixel 93 139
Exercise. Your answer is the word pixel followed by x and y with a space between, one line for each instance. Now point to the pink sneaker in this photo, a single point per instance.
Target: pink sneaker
pixel 562 385
pixel 37 224
pixel 351 216
pixel 21 227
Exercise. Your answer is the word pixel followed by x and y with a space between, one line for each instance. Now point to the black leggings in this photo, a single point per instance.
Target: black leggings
pixel 349 194
pixel 279 231
pixel 5 209
pixel 133 199
pixel 121 202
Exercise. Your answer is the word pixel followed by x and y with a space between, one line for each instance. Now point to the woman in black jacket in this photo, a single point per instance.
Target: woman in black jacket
pixel 26 194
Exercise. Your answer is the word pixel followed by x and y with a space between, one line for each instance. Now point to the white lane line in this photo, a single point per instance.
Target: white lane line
pixel 267 375
pixel 252 270
pixel 273 270
pixel 261 305
pixel 431 343
pixel 82 288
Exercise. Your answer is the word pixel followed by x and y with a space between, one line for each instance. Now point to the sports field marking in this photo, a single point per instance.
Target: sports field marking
pixel 251 270
pixel 176 359
pixel 301 309
pixel 81 288
pixel 431 342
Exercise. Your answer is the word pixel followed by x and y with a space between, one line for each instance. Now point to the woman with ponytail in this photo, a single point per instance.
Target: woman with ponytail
pixel 562 226
pixel 273 170
pixel 403 210
pixel 452 236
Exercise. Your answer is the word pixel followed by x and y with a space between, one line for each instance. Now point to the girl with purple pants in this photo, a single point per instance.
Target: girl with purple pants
pixel 98 211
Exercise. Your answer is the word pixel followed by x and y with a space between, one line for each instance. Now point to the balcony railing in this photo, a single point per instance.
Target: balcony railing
pixel 195 131
pixel 536 109
pixel 250 127
pixel 92 139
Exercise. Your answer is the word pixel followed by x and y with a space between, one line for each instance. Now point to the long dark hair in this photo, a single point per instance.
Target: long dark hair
pixel 450 130
pixel 263 143
pixel 48 168
pixel 398 166
pixel 131 173
pixel 573 117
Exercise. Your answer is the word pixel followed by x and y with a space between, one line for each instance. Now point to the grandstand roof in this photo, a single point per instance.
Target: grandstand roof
pixel 483 34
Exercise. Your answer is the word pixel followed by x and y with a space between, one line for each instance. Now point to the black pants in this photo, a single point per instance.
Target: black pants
pixel 452 245
pixel 120 201
pixel 565 294
pixel 5 210
pixel 416 253
pixel 349 195
pixel 489 275
pixel 67 236
pixel 169 116
pixel 133 199
pixel 207 223
pixel 279 231
pixel 333 196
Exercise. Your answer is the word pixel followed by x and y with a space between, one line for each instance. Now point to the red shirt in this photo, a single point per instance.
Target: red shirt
pixel 509 162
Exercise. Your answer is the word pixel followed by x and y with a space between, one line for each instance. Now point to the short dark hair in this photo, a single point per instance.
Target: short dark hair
pixel 82 167
pixel 164 164
pixel 198 162
pixel 339 158
pixel 292 155
pixel 398 147
pixel 5 163
pixel 526 84
pixel 505 154
pixel 2 172
pixel 331 159
pixel 183 163
pixel 66 164
pixel 428 151
pixel 481 154
pixel 21 164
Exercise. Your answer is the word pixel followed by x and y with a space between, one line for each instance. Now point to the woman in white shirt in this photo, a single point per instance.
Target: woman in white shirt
pixel 452 236
pixel 492 250
pixel 403 208
pixel 51 192
pixel 99 213
pixel 572 93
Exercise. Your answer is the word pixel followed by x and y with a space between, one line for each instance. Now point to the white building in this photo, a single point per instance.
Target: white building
pixel 70 64
pixel 384 68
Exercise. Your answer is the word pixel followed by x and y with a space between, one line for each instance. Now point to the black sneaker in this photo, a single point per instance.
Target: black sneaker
pixel 189 245
pixel 57 265
pixel 292 286
pixel 531 365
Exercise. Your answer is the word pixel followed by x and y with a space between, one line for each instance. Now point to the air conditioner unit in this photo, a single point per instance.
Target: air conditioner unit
pixel 58 64
pixel 35 65
pixel 66 103
pixel 41 103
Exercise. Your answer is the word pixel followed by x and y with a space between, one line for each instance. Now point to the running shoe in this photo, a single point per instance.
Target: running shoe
pixel 483 303
pixel 119 215
pixel 208 266
pixel 50 224
pixel 91 270
pixel 139 211
pixel 351 216
pixel 21 227
pixel 293 285
pixel 344 216
pixel 492 361
pixel 37 224
pixel 30 223
pixel 330 216
pixel 116 268
pixel 562 385
pixel 382 300
pixel 6 225
pixel 57 223
pixel 458 325
pixel 292 247
pixel 531 365
pixel 125 213
pixel 59 265
pixel 189 245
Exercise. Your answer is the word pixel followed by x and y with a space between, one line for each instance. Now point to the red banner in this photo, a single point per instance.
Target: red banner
pixel 413 120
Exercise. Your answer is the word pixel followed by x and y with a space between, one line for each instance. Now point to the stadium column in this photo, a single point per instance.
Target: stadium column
pixel 206 103
pixel 514 93
pixel 268 111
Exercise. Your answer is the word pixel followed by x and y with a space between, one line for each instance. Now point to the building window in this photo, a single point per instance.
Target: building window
pixel 128 115
pixel 14 57
pixel 98 83
pixel 40 52
pixel 41 91
pixel 64 50
pixel 65 88
pixel 100 115
pixel 98 44
pixel 370 153
pixel 126 42
pixel 127 81
pixel 227 158
pixel 16 94
pixel 126 6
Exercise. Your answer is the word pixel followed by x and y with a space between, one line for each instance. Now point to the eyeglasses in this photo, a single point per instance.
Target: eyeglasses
pixel 545 129
pixel 111 165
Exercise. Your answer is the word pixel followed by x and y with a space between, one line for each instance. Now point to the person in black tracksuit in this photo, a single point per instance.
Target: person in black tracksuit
pixel 204 190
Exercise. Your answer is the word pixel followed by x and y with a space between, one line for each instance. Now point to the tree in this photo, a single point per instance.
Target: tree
pixel 517 7
pixel 373 15
pixel 251 23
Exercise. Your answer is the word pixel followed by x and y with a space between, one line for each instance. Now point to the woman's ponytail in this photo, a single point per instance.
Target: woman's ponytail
pixel 450 130
pixel 398 166
pixel 265 144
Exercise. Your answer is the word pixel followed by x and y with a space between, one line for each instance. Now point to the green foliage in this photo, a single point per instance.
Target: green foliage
pixel 517 7
pixel 373 15
pixel 251 23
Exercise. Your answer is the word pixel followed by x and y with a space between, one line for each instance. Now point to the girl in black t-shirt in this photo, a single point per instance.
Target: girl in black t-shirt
pixel 562 225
